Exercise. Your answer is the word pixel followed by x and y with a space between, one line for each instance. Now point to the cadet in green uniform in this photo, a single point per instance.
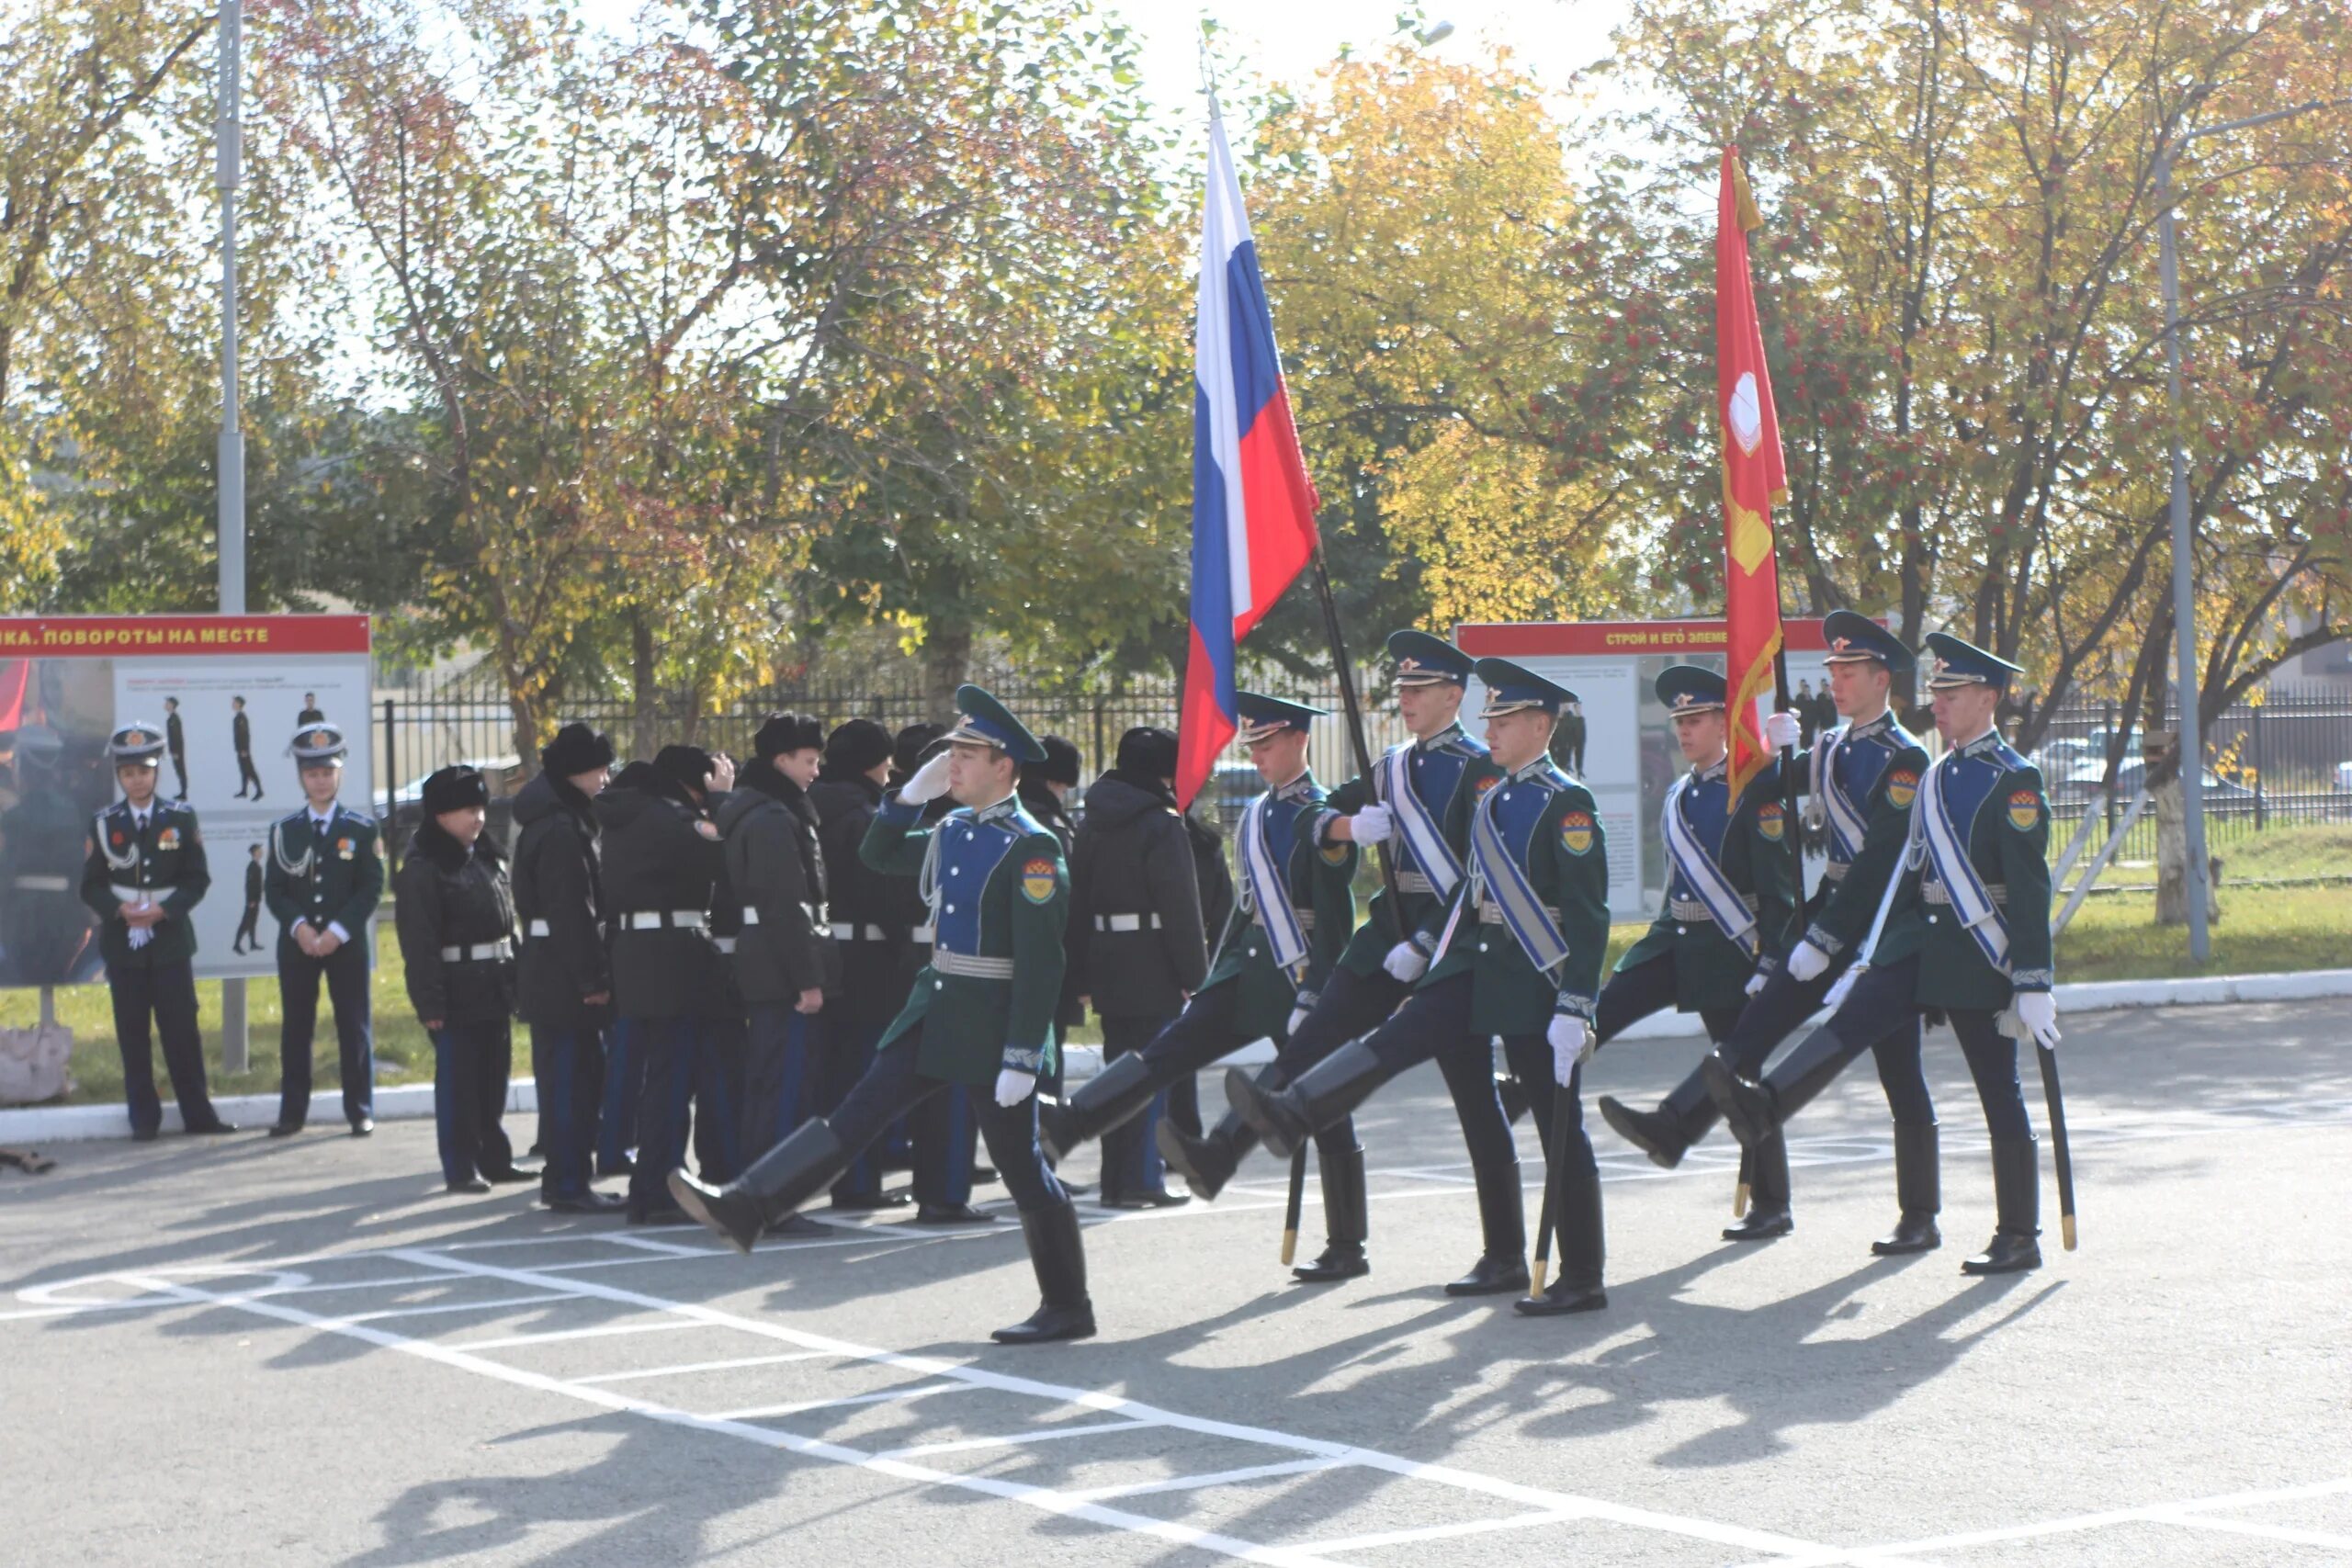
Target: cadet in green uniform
pixel 323 881
pixel 1516 952
pixel 979 1021
pixel 1963 933
pixel 144 877
pixel 1281 947
pixel 1730 901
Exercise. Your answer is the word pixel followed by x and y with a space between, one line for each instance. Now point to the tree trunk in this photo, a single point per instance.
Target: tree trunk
pixel 643 740
pixel 2172 830
pixel 946 664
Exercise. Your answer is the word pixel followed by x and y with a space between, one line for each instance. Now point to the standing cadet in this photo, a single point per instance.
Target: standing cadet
pixel 564 977
pixel 982 1012
pixel 1729 905
pixel 248 937
pixel 783 955
pixel 175 742
pixel 323 881
pixel 1137 945
pixel 1419 784
pixel 1859 780
pixel 661 862
pixel 143 878
pixel 241 733
pixel 1516 952
pixel 846 794
pixel 1281 947
pixel 454 910
pixel 1963 934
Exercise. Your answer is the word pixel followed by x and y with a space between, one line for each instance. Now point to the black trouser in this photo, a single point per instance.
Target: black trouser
pixel 892 1086
pixel 471 1061
pixel 565 1059
pixel 1434 1021
pixel 781 1088
pixel 623 1087
pixel 720 1122
pixel 245 776
pixel 1131 1161
pixel 1351 1004
pixel 164 991
pixel 1993 1063
pixel 246 940
pixel 1647 988
pixel 1204 1033
pixel 1881 1016
pixel 345 973
pixel 848 1051
pixel 1775 1011
pixel 689 1085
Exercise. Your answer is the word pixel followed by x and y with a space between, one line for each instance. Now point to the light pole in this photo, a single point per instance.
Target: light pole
pixel 2184 601
pixel 230 526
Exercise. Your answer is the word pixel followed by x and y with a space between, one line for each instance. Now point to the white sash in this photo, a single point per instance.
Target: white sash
pixel 1500 876
pixel 1423 837
pixel 1949 850
pixel 1847 826
pixel 1697 868
pixel 1267 891
pixel 1915 850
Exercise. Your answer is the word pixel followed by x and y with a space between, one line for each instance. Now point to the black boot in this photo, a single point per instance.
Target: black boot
pixel 1667 1134
pixel 1121 1089
pixel 1918 1188
pixel 1502 1267
pixel 1059 1257
pixel 1346 1222
pixel 1768 1194
pixel 1287 1118
pixel 1757 1109
pixel 2017 1203
pixel 1207 1162
pixel 785 1176
pixel 1580 1244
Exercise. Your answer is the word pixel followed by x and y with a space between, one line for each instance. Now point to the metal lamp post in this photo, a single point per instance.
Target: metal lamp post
pixel 230 528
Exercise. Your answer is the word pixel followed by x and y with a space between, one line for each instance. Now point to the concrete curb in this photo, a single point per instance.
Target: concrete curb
pixel 36 1125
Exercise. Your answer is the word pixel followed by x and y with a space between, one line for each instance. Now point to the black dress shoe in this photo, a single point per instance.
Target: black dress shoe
pixel 1049 1323
pixel 585 1203
pixel 866 1203
pixel 513 1173
pixel 1763 1223
pixel 1147 1198
pixel 1491 1276
pixel 143 1134
pixel 214 1129
pixel 1340 1261
pixel 1912 1233
pixel 1562 1297
pixel 2005 1254
pixel 474 1184
pixel 951 1214
pixel 1651 1132
pixel 668 1215
pixel 364 1128
pixel 285 1129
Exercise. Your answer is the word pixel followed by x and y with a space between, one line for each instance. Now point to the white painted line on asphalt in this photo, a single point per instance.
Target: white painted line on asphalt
pixel 2250 1527
pixel 770 1412
pixel 1439 1532
pixel 541 1299
pixel 1213 1478
pixel 600 1331
pixel 1015 1440
pixel 685 1368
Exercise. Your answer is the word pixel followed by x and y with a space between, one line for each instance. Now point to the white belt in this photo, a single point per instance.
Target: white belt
pixel 480 953
pixel 134 895
pixel 970 966
pixel 1491 914
pixel 752 915
pixel 850 930
pixel 537 928
pixel 1937 893
pixel 48 885
pixel 1413 881
pixel 923 934
pixel 1305 920
pixel 654 920
pixel 1125 922
pixel 724 943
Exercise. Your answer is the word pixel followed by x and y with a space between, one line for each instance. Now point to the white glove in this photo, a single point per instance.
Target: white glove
pixel 2038 1015
pixel 1781 730
pixel 929 782
pixel 141 936
pixel 1405 962
pixel 1373 825
pixel 1297 1017
pixel 1012 1087
pixel 1755 982
pixel 1807 962
pixel 1571 1043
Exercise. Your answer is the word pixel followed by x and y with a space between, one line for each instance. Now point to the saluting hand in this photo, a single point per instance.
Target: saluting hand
pixel 722 772
pixel 929 782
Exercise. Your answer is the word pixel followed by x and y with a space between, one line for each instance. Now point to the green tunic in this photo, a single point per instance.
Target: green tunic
pixel 2007 829
pixel 1711 970
pixel 1320 880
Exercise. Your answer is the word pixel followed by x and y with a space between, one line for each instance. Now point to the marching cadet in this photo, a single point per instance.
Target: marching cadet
pixel 564 976
pixel 1729 904
pixel 1515 951
pixel 1137 946
pixel 846 795
pixel 1293 921
pixel 662 861
pixel 453 908
pixel 981 1013
pixel 783 955
pixel 322 880
pixel 1419 783
pixel 144 875
pixel 1858 781
pixel 1963 934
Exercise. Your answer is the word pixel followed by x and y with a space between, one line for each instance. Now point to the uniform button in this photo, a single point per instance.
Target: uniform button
pixel 1931 920
pixel 1252 952
pixel 1683 930
pixel 954 871
pixel 951 909
pixel 1506 795
pixel 1482 947
pixel 939 985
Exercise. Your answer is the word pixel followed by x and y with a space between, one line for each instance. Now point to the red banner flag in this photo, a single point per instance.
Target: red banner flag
pixel 1753 480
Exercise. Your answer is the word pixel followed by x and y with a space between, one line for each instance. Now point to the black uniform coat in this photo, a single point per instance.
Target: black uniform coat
pixel 859 900
pixel 452 894
pixel 559 884
pixel 776 866
pixel 167 857
pixel 662 855
pixel 1133 856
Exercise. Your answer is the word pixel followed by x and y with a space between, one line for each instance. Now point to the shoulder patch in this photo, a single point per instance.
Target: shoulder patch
pixel 2025 809
pixel 1488 782
pixel 1334 853
pixel 1771 820
pixel 1038 879
pixel 1577 832
pixel 1902 788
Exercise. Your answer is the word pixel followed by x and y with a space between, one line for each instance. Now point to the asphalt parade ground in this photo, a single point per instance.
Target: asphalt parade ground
pixel 246 1351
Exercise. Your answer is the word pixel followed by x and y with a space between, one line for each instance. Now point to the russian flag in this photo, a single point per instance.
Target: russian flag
pixel 1253 510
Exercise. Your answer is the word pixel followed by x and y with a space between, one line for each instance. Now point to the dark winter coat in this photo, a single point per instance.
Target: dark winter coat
pixel 559 899
pixel 1132 867
pixel 859 902
pixel 662 858
pixel 449 899
pixel 775 867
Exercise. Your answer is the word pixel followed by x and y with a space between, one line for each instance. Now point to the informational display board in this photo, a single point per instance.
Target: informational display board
pixel 1621 743
pixel 80 678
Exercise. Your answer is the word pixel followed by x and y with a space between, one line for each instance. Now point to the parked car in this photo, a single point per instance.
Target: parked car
pixel 504 776
pixel 2081 786
pixel 2344 775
